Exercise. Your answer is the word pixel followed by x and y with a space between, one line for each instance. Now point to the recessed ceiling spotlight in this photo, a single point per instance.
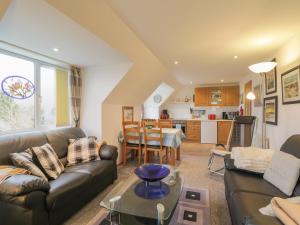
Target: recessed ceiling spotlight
pixel 176 62
pixel 222 81
pixel 235 57
pixel 55 49
pixel 191 82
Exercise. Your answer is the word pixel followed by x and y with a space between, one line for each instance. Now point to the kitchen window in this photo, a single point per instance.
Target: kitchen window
pixel 33 94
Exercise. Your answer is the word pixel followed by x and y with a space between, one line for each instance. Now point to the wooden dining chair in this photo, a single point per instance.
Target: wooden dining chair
pixel 132 139
pixel 165 123
pixel 153 140
pixel 148 122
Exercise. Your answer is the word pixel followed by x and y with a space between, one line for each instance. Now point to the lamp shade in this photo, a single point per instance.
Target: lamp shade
pixel 262 67
pixel 251 96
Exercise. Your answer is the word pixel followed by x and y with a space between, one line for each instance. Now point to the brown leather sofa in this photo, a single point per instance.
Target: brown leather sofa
pixel 28 200
pixel 247 192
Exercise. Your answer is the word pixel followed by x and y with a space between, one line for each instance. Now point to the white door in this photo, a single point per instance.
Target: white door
pixel 209 132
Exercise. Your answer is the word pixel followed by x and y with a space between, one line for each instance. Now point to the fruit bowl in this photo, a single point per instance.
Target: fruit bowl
pixel 152 172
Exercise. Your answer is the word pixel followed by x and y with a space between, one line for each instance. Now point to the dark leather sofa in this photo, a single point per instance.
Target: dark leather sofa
pixel 247 192
pixel 31 200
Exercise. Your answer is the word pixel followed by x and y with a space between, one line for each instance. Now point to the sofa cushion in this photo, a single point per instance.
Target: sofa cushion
pixel 82 150
pixel 291 145
pixel 283 172
pixel 238 181
pixel 59 139
pixel 67 187
pixel 11 143
pixel 244 208
pixel 95 169
pixel 24 160
pixel 47 160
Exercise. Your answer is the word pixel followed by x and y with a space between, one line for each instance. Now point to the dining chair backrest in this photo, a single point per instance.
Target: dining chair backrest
pixel 165 123
pixel 153 136
pixel 132 132
pixel 149 122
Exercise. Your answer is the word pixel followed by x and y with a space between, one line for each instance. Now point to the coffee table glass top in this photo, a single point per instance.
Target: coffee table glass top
pixel 124 197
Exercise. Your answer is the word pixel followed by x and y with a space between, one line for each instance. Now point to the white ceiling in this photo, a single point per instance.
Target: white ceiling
pixel 204 36
pixel 37 26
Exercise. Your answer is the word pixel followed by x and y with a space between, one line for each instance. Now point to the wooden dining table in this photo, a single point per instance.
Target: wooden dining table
pixel 172 138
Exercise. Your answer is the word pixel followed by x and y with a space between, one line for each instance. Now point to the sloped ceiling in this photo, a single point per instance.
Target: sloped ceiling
pixel 205 35
pixel 39 27
pixel 147 71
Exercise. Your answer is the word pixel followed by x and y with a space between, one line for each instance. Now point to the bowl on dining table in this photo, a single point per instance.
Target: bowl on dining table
pixel 152 172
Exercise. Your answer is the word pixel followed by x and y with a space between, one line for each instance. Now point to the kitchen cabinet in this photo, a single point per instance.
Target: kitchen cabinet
pixel 201 96
pixel 232 95
pixel 217 96
pixel 223 131
pixel 193 130
pixel 209 130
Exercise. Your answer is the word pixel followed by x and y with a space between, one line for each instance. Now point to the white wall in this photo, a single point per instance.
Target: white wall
pixel 151 108
pixel 97 83
pixel 287 57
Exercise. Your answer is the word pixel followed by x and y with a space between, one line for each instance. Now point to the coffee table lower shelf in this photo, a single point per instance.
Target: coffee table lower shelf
pixel 126 219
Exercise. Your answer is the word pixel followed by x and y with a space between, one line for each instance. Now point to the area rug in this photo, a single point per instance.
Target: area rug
pixel 193 208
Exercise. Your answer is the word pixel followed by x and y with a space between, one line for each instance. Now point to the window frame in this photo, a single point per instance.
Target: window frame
pixel 37 75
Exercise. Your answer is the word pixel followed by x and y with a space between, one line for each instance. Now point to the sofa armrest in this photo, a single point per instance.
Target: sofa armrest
pixel 108 152
pixel 23 184
pixel 229 165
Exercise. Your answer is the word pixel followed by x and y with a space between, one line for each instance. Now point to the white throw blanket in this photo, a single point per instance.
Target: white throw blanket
pixel 251 158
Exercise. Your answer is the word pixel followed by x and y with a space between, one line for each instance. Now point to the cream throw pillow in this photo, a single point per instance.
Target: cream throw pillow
pixel 283 172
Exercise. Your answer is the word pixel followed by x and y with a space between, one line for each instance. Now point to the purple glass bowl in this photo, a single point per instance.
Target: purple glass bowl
pixel 152 172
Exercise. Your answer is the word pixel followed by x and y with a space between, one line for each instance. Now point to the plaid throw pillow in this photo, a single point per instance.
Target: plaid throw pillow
pixel 82 150
pixel 24 160
pixel 48 161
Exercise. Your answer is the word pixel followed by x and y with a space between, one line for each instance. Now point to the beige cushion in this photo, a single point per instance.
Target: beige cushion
pixel 283 172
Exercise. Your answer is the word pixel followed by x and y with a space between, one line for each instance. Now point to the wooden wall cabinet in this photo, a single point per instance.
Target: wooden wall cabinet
pixel 201 96
pixel 193 130
pixel 223 131
pixel 232 96
pixel 217 96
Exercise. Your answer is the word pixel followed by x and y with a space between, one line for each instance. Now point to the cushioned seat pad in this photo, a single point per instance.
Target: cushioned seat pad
pixel 239 181
pixel 244 208
pixel 93 168
pixel 67 187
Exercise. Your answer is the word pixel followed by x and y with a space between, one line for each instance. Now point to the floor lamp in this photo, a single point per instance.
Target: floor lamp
pixel 261 69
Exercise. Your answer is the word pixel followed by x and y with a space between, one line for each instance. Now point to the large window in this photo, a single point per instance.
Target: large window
pixel 33 94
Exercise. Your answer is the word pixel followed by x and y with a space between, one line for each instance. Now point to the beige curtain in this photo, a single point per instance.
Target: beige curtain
pixel 76 93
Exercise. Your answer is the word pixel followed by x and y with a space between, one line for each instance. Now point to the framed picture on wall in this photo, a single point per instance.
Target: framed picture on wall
pixel 290 82
pixel 271 110
pixel 127 113
pixel 271 80
pixel 257 93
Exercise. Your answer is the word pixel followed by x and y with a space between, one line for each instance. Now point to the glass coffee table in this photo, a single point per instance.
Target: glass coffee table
pixel 131 208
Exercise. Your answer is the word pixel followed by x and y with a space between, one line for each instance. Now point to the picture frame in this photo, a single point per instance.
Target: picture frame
pixel 257 92
pixel 290 86
pixel 127 113
pixel 271 110
pixel 271 80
